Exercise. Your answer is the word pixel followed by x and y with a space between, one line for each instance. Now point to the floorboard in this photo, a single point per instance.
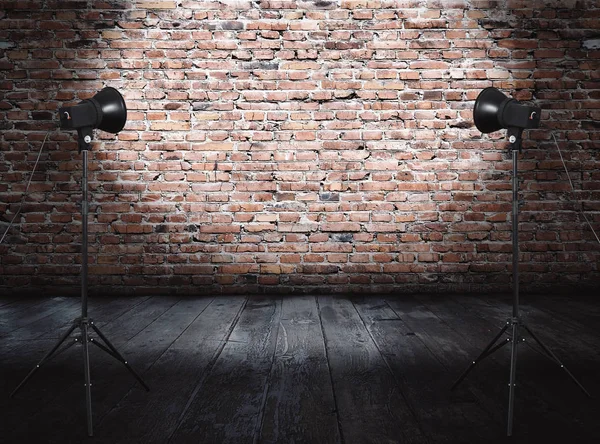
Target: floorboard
pixel 11 305
pixel 371 405
pixel 548 417
pixel 301 369
pixel 445 417
pixel 153 417
pixel 451 349
pixel 228 404
pixel 300 405
pixel 65 375
pixel 23 320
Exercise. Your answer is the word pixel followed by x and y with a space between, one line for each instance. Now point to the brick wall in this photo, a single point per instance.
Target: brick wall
pixel 297 146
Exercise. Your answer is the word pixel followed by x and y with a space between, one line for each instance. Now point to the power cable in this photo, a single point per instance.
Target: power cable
pixel 573 189
pixel 26 189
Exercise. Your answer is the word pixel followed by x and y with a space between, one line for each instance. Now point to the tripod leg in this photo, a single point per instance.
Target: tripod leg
pixel 486 352
pixel 118 356
pixel 554 358
pixel 513 373
pixel 66 347
pixel 88 383
pixel 44 359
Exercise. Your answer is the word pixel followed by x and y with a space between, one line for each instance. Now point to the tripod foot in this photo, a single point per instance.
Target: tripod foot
pixel 46 358
pixel 488 350
pixel 112 351
pixel 84 324
pixel 550 355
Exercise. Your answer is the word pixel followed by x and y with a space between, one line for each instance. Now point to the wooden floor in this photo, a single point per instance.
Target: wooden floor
pixel 300 369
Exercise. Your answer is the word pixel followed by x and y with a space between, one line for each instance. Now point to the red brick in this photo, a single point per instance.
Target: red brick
pixel 298 149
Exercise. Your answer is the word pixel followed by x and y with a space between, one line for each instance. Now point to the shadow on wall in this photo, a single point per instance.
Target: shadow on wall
pixel 52 53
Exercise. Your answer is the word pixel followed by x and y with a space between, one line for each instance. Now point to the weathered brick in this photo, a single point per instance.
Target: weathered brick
pixel 277 146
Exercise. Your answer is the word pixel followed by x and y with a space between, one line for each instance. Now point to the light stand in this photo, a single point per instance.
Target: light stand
pixel 83 322
pixel 515 321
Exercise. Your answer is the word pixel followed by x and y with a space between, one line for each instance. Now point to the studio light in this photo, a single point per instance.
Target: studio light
pixel 105 111
pixel 494 111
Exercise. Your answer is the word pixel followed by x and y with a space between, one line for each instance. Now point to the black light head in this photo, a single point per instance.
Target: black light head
pixel 494 111
pixel 106 111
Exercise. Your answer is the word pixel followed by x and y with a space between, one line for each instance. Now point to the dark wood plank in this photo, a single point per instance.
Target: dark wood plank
pixel 57 390
pixel 564 333
pixel 545 416
pixel 265 375
pixel 152 417
pixel 19 305
pixel 573 343
pixel 102 310
pixel 300 406
pixel 131 323
pixel 107 310
pixel 444 416
pixel 23 319
pixel 453 350
pixel 229 401
pixel 39 320
pixel 7 300
pixel 19 351
pixel 371 406
pixel 15 363
pixel 48 326
pixel 25 352
pixel 583 313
